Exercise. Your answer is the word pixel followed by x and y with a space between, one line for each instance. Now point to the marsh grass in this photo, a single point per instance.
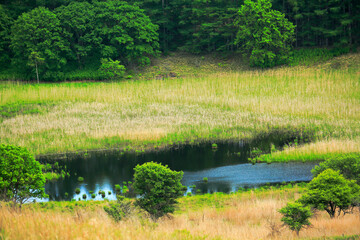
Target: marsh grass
pixel 155 113
pixel 244 215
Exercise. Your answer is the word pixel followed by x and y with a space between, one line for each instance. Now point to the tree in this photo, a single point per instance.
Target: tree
pixel 5 23
pixel 158 187
pixel 331 192
pixel 39 31
pixel 77 20
pixel 34 61
pixel 296 216
pixel 125 33
pixel 21 177
pixel 264 33
pixel 347 164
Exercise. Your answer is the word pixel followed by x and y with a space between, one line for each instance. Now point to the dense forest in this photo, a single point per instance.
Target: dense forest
pixel 66 35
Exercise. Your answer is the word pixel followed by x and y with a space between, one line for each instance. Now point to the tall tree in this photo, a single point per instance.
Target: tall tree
pixel 263 33
pixel 5 25
pixel 39 31
pixel 78 19
pixel 125 32
pixel 35 60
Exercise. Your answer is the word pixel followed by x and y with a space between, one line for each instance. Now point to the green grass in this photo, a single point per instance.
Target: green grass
pixel 314 56
pixel 209 106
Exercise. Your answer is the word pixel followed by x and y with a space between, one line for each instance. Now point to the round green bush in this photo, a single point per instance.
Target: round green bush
pixel 159 187
pixel 21 177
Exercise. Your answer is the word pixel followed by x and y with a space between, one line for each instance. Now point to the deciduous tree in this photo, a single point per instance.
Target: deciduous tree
pixel 21 177
pixel 331 192
pixel 263 33
pixel 296 216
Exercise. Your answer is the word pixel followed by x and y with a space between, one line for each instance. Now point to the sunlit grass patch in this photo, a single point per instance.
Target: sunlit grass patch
pixel 316 151
pixel 154 113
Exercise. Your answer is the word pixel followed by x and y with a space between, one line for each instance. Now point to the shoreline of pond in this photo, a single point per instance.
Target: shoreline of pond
pixel 224 165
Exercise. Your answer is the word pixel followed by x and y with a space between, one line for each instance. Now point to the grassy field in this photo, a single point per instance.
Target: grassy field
pixel 215 103
pixel 245 215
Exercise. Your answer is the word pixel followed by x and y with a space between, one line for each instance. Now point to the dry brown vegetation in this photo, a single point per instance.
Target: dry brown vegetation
pixel 249 215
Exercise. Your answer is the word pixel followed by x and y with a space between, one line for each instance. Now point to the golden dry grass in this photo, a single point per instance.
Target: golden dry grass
pixel 222 105
pixel 242 216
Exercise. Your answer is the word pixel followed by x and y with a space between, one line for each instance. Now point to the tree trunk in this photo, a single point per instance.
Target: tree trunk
pixel 37 73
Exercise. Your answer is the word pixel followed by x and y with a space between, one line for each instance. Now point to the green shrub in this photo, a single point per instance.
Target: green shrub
pixel 158 187
pixel 348 165
pixel 296 216
pixel 80 179
pixel 77 190
pixel 120 209
pixel 117 188
pixel 112 69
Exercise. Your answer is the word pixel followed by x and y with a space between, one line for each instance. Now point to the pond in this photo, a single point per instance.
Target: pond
pixel 225 167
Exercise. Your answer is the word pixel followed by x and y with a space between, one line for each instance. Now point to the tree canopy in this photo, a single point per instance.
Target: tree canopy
pixel 39 31
pixel 158 187
pixel 331 192
pixel 296 216
pixel 72 35
pixel 265 34
pixel 348 165
pixel 21 177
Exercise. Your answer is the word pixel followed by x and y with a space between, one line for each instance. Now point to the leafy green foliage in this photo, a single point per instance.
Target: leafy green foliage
pixel 264 33
pixel 21 177
pixel 207 26
pixel 347 164
pixel 158 187
pixel 77 20
pixel 331 192
pixel 120 209
pixel 5 25
pixel 39 31
pixel 125 32
pixel 112 69
pixel 296 216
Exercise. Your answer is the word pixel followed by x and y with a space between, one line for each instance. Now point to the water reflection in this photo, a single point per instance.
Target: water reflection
pixel 226 169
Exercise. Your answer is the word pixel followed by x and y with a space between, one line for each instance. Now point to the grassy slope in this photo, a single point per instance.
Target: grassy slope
pixel 212 100
pixel 246 215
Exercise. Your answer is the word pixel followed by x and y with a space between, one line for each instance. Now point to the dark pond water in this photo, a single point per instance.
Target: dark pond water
pixel 226 168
